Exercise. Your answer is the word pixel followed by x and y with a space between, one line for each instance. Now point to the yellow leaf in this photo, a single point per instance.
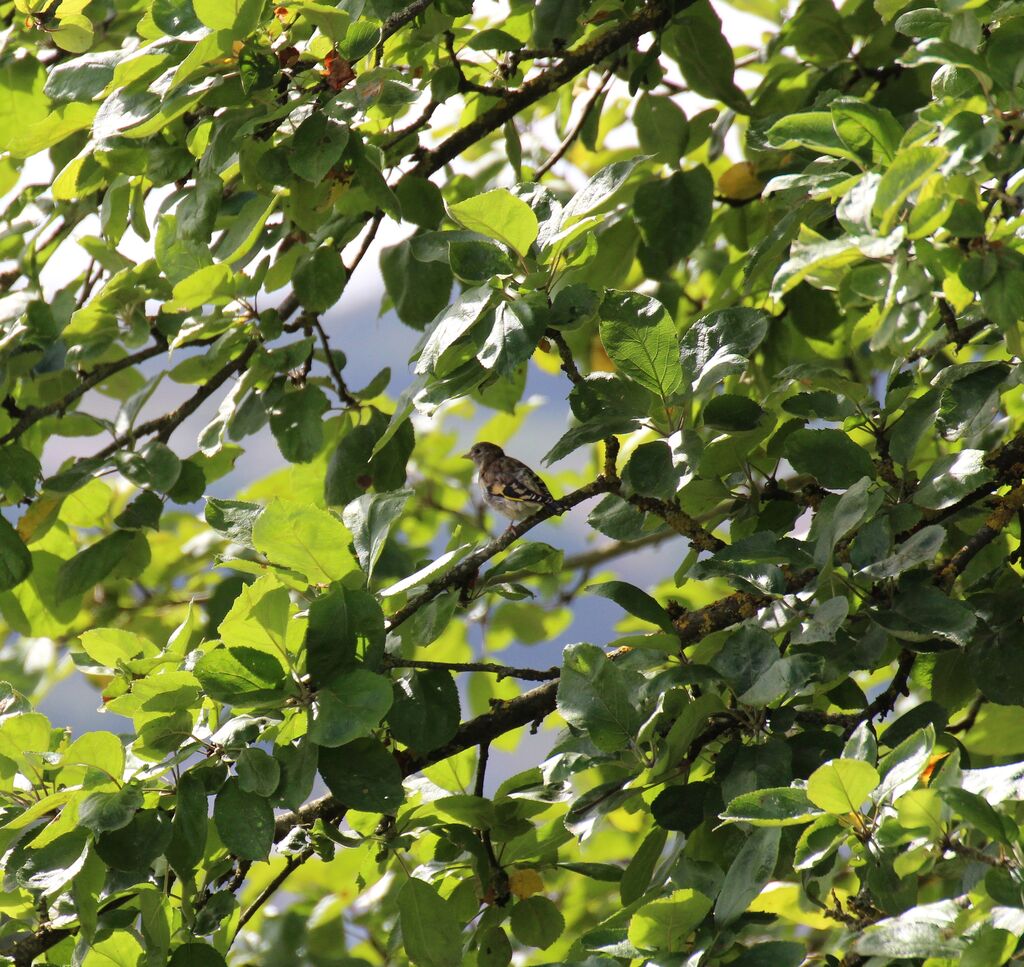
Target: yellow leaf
pixel 740 182
pixel 525 883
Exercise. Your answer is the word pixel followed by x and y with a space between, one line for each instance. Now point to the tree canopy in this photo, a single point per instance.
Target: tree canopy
pixel 781 287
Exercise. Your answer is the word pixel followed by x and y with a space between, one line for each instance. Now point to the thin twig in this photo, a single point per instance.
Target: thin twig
pixel 466 86
pixel 574 132
pixel 343 394
pixel 292 864
pixel 88 380
pixel 465 571
pixel 165 425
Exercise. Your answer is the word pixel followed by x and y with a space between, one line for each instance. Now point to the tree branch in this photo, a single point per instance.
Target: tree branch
pixel 343 394
pixel 502 671
pixel 165 425
pixel 1007 507
pixel 679 521
pixel 291 864
pixel 396 22
pixel 465 571
pixel 574 132
pixel 653 16
pixel 34 414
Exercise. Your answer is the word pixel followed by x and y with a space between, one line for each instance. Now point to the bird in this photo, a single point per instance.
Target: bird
pixel 509 486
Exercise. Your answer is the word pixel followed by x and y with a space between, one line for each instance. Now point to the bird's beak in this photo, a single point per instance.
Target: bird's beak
pixel 467 456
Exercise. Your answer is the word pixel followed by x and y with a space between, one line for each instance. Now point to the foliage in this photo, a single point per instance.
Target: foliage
pixel 797 374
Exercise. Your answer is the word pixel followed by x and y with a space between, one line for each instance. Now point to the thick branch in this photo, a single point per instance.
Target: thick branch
pixel 626 32
pixel 1007 507
pixel 679 521
pixel 397 21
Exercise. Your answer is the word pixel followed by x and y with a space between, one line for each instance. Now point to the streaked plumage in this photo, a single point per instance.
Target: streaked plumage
pixel 508 484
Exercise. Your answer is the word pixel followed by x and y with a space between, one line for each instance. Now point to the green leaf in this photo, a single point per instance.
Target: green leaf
pixel 773 953
pixel 320 280
pixel 155 466
pixel 110 647
pixel 143 512
pixel 532 556
pixel 426 713
pixel 772 807
pixel 135 846
pixel 240 17
pixel 871 131
pixel 93 565
pixel 244 822
pixel 498 214
pixel 349 707
pixel 296 420
pixel 233 519
pixel 370 519
pixel 951 477
pixel 704 56
pixel 598 191
pixel 641 340
pixel 819 841
pixel 15 560
pixel 189 828
pixel 214 285
pixel 841 786
pixel 82 78
pixel 748 873
pixel 636 602
pixel 597 696
pixel 368 456
pixel 240 676
pixel 664 925
pixel 363 775
pixel 590 432
pixel 317 146
pixel 517 328
pixel 904 938
pixel 788 676
pixel 537 922
pixel 195 954
pixel 673 216
pixel 452 324
pixel 746 655
pixel 905 175
pixel 119 949
pixel 105 811
pixel 731 413
pixel 661 127
pixel 258 772
pixel 814 130
pixel 494 949
pixel 418 289
pixel 431 935
pixel 637 875
pixel 337 622
pixel 305 538
pixel 919 548
pixel 719 344
pixel 829 455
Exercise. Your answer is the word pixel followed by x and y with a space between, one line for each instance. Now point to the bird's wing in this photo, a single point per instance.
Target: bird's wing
pixel 516 481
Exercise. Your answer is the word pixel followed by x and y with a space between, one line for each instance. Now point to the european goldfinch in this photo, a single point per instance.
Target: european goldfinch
pixel 509 485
